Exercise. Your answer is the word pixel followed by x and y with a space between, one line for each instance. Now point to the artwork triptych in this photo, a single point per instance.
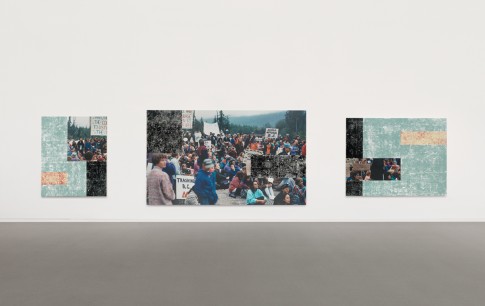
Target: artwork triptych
pixel 234 158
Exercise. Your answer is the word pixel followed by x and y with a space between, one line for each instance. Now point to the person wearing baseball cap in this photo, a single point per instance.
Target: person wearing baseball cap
pixel 286 150
pixel 205 183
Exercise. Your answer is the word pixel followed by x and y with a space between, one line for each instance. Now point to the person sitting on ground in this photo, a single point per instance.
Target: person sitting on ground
pixel 268 188
pixel 223 163
pixel 255 195
pixel 287 180
pixel 184 170
pixel 222 181
pixel 233 153
pixel 230 169
pixel 74 157
pixel 237 185
pixel 280 198
pixel 299 192
pixel 88 156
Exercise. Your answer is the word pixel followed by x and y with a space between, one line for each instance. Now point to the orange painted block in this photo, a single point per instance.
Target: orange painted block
pixel 54 178
pixel 423 138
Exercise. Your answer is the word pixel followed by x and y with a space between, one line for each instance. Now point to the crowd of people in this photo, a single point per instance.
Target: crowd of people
pixel 222 166
pixel 234 145
pixel 378 169
pixel 90 149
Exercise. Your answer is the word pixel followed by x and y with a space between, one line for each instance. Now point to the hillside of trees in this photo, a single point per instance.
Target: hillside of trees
pixel 288 122
pixel 76 132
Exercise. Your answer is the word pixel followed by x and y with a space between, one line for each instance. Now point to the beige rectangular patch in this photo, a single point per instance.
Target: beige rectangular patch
pixel 423 138
pixel 54 178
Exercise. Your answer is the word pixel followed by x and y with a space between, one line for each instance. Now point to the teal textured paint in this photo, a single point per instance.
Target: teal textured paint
pixel 54 139
pixel 76 186
pixel 54 159
pixel 423 167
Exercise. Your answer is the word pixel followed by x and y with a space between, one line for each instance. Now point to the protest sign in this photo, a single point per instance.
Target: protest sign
pixel 187 119
pixel 249 153
pixel 247 159
pixel 197 136
pixel 207 143
pixel 211 128
pixel 99 126
pixel 247 162
pixel 271 133
pixel 184 183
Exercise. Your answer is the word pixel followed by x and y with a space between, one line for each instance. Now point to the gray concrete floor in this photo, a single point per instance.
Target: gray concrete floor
pixel 388 264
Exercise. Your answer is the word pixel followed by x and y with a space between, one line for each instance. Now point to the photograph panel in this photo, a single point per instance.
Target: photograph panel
pixel 226 158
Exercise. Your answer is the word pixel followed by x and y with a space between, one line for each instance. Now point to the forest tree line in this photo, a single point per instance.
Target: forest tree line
pixel 294 123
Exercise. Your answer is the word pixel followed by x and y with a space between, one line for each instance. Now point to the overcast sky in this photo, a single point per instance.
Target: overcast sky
pixel 232 113
pixel 81 121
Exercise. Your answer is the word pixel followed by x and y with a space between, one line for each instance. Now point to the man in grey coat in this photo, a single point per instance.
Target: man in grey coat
pixel 159 186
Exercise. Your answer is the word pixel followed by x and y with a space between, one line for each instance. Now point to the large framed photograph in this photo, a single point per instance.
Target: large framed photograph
pixel 226 157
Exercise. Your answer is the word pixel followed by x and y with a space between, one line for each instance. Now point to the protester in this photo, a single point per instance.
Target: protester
pixel 287 149
pixel 280 198
pixel 287 180
pixel 174 160
pixel 227 156
pixel 222 180
pixel 237 185
pixel 184 170
pixel 255 195
pixel 202 153
pixel 268 188
pixel 159 186
pixel 205 184
pixel 77 149
pixel 298 194
pixel 171 171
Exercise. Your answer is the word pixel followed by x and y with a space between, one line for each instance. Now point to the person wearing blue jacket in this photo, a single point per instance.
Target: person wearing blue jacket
pixel 205 184
pixel 171 171
pixel 255 195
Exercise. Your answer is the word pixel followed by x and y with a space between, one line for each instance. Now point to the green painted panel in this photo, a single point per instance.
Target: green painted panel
pixel 54 159
pixel 423 168
pixel 76 181
pixel 54 139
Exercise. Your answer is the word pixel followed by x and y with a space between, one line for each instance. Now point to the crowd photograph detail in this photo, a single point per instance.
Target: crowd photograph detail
pixel 82 145
pixel 208 161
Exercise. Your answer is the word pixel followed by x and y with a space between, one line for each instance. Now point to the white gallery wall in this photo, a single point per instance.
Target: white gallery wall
pixel 336 59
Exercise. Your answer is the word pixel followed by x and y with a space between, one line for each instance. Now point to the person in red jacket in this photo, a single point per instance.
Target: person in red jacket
pixel 237 184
